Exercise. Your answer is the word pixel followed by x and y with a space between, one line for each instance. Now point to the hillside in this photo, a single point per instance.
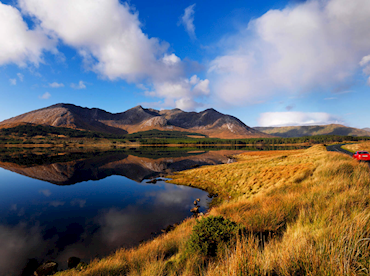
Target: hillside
pixel 208 122
pixel 300 131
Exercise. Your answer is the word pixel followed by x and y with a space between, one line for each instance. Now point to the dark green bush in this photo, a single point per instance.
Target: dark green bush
pixel 211 234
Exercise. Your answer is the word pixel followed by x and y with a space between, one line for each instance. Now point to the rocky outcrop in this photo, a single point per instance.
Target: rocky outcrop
pixel 48 268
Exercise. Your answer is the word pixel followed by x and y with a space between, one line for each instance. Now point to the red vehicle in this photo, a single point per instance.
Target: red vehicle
pixel 361 155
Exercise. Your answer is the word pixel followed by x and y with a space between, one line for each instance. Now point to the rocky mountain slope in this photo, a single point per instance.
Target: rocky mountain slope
pixel 299 131
pixel 209 122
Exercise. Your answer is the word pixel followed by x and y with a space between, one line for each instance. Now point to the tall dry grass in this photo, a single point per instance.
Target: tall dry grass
pixel 306 212
pixel 357 147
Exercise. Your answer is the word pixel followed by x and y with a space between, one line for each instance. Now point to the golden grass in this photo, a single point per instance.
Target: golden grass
pixel 357 147
pixel 306 212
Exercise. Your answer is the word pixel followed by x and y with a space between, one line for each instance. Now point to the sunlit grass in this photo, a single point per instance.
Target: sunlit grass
pixel 357 147
pixel 306 212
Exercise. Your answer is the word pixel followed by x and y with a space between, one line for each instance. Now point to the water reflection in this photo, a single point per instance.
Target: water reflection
pixel 111 206
pixel 104 164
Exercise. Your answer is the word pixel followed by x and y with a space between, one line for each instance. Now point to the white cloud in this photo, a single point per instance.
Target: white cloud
pixel 315 44
pixel 56 203
pixel 18 243
pixel 45 192
pixel 79 202
pixel 276 119
pixel 18 44
pixel 182 92
pixel 80 85
pixel 187 20
pixel 108 36
pixel 45 96
pixel 20 76
pixel 56 85
pixel 13 81
pixel 365 60
pixel 171 59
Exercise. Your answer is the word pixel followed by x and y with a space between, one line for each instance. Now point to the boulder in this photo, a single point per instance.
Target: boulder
pixel 45 269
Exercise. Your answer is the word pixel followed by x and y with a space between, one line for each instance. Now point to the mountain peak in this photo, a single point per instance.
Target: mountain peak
pixel 209 122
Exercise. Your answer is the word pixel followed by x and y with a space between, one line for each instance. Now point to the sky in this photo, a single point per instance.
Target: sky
pixel 268 63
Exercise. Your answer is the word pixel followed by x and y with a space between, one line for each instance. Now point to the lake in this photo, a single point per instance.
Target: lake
pixel 83 203
pixel 54 205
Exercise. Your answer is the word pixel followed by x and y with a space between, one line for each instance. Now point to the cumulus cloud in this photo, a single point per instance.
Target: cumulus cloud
pixel 20 76
pixel 45 96
pixel 19 243
pixel 19 44
pixel 78 202
pixel 315 44
pixel 56 203
pixel 56 85
pixel 187 20
pixel 45 192
pixel 108 36
pixel 182 92
pixel 277 119
pixel 13 81
pixel 80 85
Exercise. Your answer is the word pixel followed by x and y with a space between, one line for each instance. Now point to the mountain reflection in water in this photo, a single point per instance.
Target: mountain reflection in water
pixel 98 167
pixel 92 218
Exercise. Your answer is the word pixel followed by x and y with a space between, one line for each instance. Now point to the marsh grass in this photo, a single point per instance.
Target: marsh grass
pixel 306 212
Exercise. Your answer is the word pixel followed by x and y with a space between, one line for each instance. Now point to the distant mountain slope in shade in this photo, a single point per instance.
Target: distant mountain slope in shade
pixel 299 131
pixel 209 122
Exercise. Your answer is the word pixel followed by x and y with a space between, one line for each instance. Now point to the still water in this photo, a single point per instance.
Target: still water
pixel 55 205
pixel 88 205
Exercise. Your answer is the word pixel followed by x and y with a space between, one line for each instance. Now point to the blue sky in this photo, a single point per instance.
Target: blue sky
pixel 269 63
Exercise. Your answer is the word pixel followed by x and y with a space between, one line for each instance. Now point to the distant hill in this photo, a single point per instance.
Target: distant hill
pixel 366 129
pixel 299 131
pixel 208 122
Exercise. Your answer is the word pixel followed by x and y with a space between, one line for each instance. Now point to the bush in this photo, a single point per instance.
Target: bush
pixel 211 234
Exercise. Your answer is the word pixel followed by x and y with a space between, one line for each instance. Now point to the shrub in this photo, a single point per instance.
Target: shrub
pixel 211 234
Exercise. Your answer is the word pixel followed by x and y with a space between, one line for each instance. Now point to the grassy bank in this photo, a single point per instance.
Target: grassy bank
pixel 357 147
pixel 305 212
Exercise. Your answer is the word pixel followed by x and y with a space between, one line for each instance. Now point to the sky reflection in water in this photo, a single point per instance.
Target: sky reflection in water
pixel 89 219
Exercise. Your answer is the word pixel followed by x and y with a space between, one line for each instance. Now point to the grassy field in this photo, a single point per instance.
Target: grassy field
pixel 305 212
pixel 357 147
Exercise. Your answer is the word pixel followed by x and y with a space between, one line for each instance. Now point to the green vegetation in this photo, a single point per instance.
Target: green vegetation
pixel 37 134
pixel 29 130
pixel 212 234
pixel 319 139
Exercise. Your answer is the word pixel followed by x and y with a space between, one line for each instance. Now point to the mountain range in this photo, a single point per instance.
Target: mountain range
pixel 209 122
pixel 299 131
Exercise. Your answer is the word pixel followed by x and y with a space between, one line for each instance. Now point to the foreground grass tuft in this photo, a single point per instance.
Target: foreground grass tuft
pixel 305 212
